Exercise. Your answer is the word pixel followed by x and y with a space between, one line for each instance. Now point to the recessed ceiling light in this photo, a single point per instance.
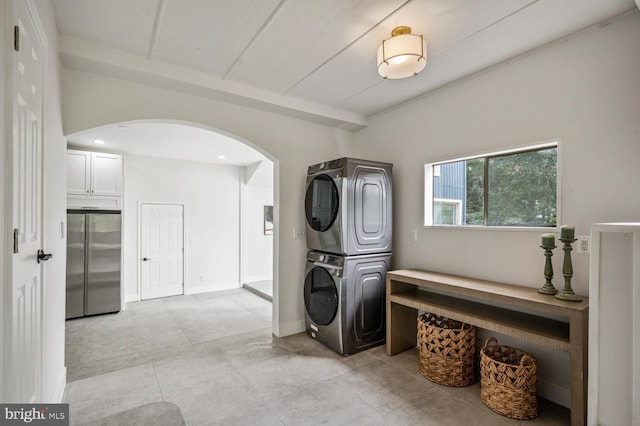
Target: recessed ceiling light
pixel 99 141
pixel 221 157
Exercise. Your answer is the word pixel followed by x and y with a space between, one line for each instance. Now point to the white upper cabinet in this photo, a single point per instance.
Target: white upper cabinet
pixel 94 173
pixel 106 174
pixel 78 172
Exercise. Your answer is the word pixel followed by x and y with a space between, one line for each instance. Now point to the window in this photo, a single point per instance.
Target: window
pixel 507 188
pixel 447 212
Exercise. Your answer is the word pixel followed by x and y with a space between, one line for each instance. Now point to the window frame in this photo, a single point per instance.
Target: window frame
pixel 428 188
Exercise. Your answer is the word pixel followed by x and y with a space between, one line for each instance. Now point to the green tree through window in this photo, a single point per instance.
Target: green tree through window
pixel 522 189
pixel 475 192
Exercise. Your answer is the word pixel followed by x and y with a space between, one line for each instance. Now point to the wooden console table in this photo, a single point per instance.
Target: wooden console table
pixel 495 307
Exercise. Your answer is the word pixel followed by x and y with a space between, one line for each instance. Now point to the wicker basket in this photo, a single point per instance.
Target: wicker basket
pixel 508 381
pixel 447 350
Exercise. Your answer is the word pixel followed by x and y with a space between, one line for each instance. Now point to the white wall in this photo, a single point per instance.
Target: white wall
pixel 258 192
pixel 91 100
pixel 211 194
pixel 54 179
pixel 584 90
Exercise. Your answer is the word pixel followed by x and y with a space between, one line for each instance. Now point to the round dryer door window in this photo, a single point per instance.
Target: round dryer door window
pixel 321 203
pixel 320 296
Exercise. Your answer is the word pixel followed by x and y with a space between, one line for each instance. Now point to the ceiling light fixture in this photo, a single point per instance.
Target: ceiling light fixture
pixel 402 55
pixel 221 157
pixel 99 142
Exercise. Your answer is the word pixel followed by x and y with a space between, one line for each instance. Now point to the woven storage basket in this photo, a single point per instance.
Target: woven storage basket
pixel 447 350
pixel 508 381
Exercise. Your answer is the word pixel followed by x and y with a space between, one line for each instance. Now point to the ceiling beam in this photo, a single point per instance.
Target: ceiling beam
pixel 89 57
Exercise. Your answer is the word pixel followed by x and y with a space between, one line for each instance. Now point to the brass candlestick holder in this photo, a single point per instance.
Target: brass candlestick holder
pixel 548 287
pixel 567 270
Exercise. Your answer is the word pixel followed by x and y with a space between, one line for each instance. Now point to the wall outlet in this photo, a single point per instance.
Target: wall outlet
pixel 583 245
pixel 413 235
pixel 299 233
pixel 201 278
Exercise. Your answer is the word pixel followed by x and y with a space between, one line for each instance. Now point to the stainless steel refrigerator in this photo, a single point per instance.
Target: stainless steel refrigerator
pixel 93 262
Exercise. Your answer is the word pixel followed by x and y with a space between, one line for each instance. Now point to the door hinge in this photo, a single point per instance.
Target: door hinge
pixel 15 240
pixel 16 38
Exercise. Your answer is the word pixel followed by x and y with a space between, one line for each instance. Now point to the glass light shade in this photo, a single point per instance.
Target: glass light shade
pixel 401 56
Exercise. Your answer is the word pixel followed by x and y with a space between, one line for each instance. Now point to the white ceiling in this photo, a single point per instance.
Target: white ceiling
pixel 168 140
pixel 313 59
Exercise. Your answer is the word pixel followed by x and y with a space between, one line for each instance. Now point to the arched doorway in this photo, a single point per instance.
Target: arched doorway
pixel 172 140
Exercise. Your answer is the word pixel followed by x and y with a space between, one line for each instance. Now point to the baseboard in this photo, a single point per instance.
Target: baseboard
pixel 257 291
pixel 256 278
pixel 289 328
pixel 131 298
pixel 60 387
pixel 554 392
pixel 211 287
pixel 193 290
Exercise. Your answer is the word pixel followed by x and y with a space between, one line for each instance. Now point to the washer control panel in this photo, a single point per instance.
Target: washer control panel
pixel 326 258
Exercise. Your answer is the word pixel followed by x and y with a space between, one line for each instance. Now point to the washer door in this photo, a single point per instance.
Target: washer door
pixel 321 203
pixel 320 296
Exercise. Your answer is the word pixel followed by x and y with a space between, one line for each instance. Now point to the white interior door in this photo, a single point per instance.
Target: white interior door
pixel 161 250
pixel 24 367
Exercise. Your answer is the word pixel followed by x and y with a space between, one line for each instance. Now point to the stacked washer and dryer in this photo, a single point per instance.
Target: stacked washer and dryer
pixel 348 209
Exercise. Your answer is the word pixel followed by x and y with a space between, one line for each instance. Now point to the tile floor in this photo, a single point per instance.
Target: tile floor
pixel 214 356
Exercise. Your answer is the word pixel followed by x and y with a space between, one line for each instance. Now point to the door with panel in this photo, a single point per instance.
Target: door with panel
pixel 161 250
pixel 24 305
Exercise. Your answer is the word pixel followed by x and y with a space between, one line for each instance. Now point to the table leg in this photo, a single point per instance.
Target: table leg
pixel 401 328
pixel 578 335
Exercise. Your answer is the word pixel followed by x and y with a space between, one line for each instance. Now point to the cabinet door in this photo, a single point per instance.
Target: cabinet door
pixel 106 174
pixel 78 172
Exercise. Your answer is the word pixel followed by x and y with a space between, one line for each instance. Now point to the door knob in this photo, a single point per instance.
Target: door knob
pixel 144 259
pixel 42 256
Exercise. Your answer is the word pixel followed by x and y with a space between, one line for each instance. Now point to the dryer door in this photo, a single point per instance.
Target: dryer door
pixel 370 219
pixel 321 203
pixel 320 296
